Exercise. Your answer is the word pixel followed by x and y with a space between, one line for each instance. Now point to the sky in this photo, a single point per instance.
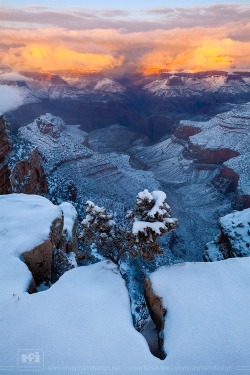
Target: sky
pixel 125 4
pixel 120 36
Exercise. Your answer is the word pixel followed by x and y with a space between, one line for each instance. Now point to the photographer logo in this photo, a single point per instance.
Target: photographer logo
pixel 30 360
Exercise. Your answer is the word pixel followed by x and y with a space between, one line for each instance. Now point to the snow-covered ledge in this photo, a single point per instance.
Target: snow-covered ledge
pixel 29 227
pixel 207 324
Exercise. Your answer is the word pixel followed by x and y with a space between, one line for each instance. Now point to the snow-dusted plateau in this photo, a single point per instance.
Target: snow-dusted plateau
pixel 69 138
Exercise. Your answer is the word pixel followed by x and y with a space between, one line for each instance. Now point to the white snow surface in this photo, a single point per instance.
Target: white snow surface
pixel 141 226
pixel 145 194
pixel 208 320
pixel 25 222
pixel 159 198
pixel 108 85
pixel 82 321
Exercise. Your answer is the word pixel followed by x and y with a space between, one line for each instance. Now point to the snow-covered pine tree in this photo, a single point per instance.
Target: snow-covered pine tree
pixel 100 229
pixel 149 220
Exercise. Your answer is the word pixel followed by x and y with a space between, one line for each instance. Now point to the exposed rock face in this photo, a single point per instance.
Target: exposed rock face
pixel 27 175
pixel 48 125
pixel 213 156
pixel 227 180
pixel 234 240
pixel 60 263
pixel 183 132
pixel 5 148
pixel 20 166
pixel 39 261
pixel 157 312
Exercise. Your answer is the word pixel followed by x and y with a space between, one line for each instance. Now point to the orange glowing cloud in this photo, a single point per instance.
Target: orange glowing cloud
pixel 194 49
pixel 202 53
pixel 193 38
pixel 48 57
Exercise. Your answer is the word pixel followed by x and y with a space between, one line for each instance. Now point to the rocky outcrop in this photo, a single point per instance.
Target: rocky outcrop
pixel 5 148
pixel 242 201
pixel 33 229
pixel 210 156
pixel 227 180
pixel 27 175
pixel 39 261
pixel 21 170
pixel 183 132
pixel 50 125
pixel 157 312
pixel 234 239
pixel 39 258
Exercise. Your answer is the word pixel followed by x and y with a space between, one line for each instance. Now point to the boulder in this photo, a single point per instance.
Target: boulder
pixel 234 239
pixel 39 261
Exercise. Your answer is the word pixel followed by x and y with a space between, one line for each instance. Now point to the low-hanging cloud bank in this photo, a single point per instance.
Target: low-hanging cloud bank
pixel 198 38
pixel 11 98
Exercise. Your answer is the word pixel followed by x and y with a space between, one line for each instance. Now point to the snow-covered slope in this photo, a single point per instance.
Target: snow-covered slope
pixel 197 158
pixel 173 86
pixel 207 326
pixel 34 86
pixel 92 83
pixel 194 201
pixel 115 138
pixel 228 131
pixel 105 179
pixel 186 85
pixel 37 86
